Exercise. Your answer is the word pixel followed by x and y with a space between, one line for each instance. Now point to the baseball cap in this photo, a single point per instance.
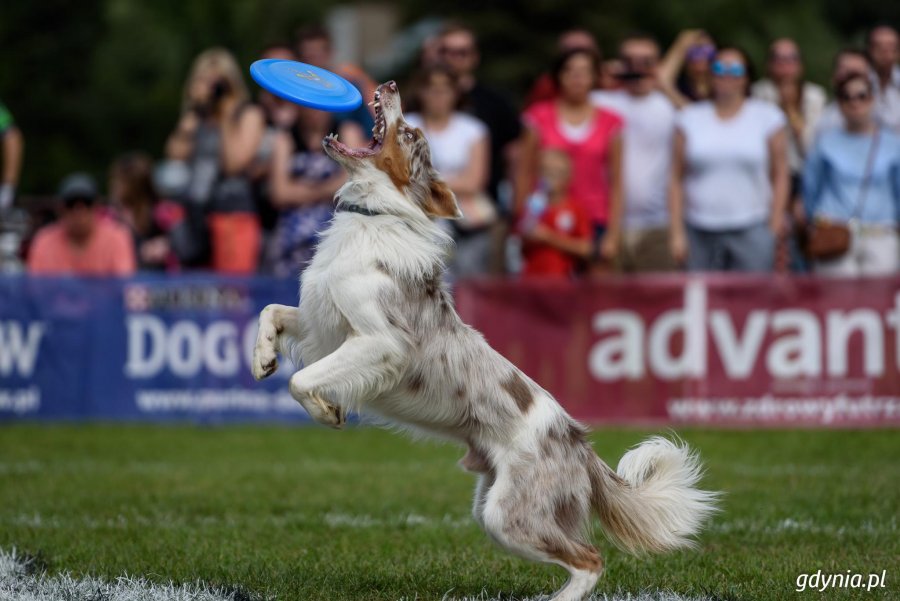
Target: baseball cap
pixel 78 187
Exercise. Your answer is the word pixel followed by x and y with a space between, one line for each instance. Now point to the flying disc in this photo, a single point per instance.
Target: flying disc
pixel 306 85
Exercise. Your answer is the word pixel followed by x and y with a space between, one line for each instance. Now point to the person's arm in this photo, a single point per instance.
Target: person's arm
pixel 13 145
pixel 573 245
pixel 287 192
pixel 814 109
pixel 780 178
pixel 671 92
pixel 474 177
pixel 895 186
pixel 609 247
pixel 155 251
pixel 511 137
pixel 12 165
pixel 180 143
pixel 673 61
pixel 813 180
pixel 241 137
pixel 677 234
pixel 526 168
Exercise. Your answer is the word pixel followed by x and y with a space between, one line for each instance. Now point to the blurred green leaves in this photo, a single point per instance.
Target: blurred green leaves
pixel 87 80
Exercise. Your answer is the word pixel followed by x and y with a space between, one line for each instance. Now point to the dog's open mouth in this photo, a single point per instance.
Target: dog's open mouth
pixel 377 135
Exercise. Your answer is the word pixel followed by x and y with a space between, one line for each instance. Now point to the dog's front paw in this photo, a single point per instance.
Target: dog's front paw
pixel 265 361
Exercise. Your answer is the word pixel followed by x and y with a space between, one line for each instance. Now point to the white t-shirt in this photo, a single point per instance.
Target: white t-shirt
pixel 451 147
pixel 726 181
pixel 647 141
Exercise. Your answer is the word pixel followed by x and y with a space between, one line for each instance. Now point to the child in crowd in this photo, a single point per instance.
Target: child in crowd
pixel 556 232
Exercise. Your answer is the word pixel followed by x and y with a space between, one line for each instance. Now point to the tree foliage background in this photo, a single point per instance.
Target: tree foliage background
pixel 89 79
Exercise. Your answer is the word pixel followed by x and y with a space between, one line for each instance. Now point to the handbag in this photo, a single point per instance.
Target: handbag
pixel 831 239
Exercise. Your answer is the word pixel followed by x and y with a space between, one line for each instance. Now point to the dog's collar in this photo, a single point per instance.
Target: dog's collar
pixel 358 209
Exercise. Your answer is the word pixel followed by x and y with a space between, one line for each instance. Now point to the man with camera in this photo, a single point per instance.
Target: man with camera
pixel 648 134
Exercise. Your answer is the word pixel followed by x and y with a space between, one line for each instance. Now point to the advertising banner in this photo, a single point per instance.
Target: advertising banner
pixel 711 350
pixel 145 349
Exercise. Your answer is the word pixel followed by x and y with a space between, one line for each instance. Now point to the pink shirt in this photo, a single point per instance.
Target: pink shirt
pixel 589 187
pixel 108 252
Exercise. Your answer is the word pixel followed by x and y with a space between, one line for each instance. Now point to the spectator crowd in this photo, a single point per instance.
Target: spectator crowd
pixel 650 161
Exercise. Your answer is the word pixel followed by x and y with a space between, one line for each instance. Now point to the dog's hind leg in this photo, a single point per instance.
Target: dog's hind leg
pixel 275 321
pixel 541 513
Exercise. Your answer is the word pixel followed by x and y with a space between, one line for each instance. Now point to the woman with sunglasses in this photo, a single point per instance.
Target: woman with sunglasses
pixel 684 73
pixel 729 183
pixel 852 177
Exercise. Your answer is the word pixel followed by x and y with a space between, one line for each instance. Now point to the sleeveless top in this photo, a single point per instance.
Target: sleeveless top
pixel 297 229
pixel 589 154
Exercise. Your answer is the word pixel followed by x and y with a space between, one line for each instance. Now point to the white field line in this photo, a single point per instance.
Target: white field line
pixel 17 584
pixel 295 467
pixel 804 527
pixel 336 520
pixel 340 520
pixel 803 470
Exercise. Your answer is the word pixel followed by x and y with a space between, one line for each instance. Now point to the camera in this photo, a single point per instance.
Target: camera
pixel 220 89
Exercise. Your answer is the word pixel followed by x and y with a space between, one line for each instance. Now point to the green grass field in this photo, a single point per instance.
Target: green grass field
pixel 312 514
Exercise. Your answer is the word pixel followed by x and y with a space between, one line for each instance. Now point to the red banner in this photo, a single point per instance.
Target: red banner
pixel 712 349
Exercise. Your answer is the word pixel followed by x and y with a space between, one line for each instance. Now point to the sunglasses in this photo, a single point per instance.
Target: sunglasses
pixel 71 202
pixel 859 97
pixel 721 69
pixel 638 63
pixel 703 52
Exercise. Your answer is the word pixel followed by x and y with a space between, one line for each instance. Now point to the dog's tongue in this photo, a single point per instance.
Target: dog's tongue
pixel 348 150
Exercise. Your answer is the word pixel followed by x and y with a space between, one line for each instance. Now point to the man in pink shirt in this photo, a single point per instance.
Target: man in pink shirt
pixel 82 242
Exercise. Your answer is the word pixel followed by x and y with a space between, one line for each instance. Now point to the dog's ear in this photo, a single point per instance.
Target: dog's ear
pixel 441 201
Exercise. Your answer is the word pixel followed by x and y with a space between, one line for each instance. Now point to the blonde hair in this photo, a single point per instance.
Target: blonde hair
pixel 221 63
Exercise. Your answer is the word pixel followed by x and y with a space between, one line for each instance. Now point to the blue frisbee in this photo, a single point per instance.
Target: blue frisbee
pixel 306 85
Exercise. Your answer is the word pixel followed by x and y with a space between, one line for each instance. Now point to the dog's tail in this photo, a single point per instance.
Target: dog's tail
pixel 651 503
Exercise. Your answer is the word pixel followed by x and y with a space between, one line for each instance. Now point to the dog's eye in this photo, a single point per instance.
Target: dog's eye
pixel 410 136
